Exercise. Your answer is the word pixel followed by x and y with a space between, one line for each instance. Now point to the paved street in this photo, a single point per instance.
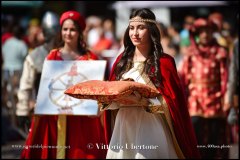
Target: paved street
pixel 12 139
pixel 12 149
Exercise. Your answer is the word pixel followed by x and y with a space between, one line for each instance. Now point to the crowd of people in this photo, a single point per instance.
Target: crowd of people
pixel 194 67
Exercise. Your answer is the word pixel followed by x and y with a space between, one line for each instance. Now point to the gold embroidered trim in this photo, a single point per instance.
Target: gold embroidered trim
pixel 168 120
pixel 162 109
pixel 103 106
pixel 166 116
pixel 61 136
pixel 154 109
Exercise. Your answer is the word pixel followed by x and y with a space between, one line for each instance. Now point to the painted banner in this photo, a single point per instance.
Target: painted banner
pixel 56 77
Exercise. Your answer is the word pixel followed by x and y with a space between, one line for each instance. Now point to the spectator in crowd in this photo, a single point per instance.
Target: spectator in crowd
pixel 6 28
pixel 184 33
pixel 14 51
pixel 169 46
pixel 32 69
pixel 34 36
pixel 232 102
pixel 93 25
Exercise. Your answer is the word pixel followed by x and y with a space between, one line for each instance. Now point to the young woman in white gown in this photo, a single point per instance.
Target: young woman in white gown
pixel 163 129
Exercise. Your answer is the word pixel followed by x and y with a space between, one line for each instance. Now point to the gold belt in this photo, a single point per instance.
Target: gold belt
pixel 205 82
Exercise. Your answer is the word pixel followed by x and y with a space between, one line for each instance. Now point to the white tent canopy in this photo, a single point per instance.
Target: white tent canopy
pixel 160 8
pixel 152 4
pixel 22 3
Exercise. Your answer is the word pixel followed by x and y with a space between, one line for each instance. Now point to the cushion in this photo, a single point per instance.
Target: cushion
pixel 109 91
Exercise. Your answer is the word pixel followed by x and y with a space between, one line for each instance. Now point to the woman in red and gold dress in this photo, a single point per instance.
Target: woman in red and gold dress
pixel 164 128
pixel 82 132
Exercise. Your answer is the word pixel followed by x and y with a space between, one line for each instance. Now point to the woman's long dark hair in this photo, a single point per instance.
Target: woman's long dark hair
pixel 152 63
pixel 82 47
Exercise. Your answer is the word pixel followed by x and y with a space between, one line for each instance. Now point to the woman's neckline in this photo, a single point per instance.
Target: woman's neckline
pixel 138 61
pixel 66 56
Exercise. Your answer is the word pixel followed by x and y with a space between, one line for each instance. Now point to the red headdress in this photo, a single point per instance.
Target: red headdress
pixel 202 23
pixel 75 16
pixel 217 19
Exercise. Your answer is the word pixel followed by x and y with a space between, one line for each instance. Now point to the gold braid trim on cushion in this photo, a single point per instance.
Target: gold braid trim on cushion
pixel 109 91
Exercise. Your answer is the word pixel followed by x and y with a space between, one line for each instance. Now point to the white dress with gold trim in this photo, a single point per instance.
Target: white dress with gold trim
pixel 138 134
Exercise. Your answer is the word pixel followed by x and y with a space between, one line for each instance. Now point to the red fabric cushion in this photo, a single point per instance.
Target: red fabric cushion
pixel 109 91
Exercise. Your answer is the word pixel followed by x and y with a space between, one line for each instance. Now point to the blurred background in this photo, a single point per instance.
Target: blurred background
pixel 106 24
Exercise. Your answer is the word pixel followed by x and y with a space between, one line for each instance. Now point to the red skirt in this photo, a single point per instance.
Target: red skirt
pixel 83 136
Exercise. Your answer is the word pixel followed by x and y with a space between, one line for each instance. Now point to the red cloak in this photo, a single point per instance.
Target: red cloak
pixel 173 94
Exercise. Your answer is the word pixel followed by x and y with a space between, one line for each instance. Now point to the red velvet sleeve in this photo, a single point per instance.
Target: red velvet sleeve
pixel 112 76
pixel 54 55
pixel 93 56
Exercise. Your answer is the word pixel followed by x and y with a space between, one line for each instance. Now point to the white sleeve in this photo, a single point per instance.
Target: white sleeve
pixel 25 88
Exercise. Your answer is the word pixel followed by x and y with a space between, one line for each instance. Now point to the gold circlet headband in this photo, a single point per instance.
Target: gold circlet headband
pixel 142 20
